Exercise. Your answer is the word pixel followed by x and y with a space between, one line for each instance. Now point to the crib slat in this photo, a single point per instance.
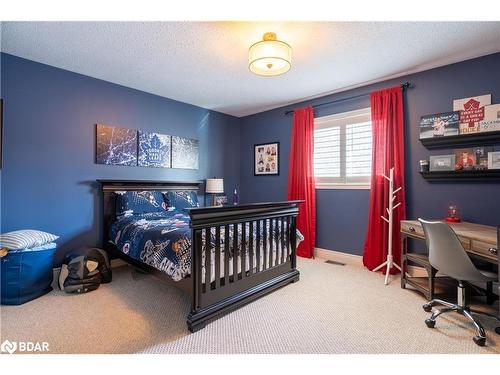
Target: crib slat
pixel 287 239
pixel 226 254
pixel 217 257
pixel 243 253
pixel 250 248
pixel 265 240
pixel 208 254
pixel 272 243
pixel 258 246
pixel 282 253
pixel 197 281
pixel 235 252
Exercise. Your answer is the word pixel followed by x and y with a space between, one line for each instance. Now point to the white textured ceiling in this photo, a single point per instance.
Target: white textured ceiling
pixel 205 63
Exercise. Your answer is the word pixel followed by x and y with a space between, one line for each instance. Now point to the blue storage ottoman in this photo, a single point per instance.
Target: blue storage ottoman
pixel 26 274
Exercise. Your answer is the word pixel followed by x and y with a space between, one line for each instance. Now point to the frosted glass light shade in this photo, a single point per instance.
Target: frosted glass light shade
pixel 214 185
pixel 270 57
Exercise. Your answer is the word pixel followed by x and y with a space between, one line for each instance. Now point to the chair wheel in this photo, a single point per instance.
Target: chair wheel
pixel 427 307
pixel 497 330
pixel 479 340
pixel 430 323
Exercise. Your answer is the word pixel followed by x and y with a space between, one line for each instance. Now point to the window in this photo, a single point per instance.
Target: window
pixel 343 150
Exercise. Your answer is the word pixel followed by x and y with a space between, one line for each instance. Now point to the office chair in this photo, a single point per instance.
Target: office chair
pixel 447 255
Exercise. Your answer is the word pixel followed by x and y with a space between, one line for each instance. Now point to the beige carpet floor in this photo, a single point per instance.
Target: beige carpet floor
pixel 332 309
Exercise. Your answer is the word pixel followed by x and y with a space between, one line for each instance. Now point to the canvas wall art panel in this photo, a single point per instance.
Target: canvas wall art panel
pixel 185 153
pixel 154 150
pixel 116 146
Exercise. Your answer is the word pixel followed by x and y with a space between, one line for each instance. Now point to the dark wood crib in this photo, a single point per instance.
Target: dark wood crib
pixel 271 253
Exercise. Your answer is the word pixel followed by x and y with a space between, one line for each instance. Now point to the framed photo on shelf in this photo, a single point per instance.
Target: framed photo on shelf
pixel 266 159
pixel 220 200
pixel 494 160
pixel 441 163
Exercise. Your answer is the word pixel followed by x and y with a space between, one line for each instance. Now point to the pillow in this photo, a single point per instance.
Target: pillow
pixel 139 202
pixel 181 199
pixel 25 239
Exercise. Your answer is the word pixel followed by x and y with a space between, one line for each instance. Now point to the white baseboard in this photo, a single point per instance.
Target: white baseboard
pixel 357 260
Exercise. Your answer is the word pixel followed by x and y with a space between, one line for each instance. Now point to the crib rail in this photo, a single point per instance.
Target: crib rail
pixel 239 253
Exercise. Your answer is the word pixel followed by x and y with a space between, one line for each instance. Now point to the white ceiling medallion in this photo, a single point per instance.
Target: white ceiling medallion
pixel 270 57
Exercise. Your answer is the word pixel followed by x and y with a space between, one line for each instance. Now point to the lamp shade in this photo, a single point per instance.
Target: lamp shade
pixel 214 185
pixel 270 57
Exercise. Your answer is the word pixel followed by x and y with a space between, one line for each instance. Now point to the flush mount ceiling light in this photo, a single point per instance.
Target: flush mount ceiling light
pixel 269 57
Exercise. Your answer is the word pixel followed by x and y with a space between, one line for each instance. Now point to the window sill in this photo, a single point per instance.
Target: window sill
pixel 330 186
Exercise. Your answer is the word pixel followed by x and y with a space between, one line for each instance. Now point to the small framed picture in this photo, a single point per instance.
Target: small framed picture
pixel 220 200
pixel 494 160
pixel 266 159
pixel 442 163
pixel 439 125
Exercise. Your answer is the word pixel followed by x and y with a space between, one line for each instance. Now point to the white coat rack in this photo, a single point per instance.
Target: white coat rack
pixel 389 220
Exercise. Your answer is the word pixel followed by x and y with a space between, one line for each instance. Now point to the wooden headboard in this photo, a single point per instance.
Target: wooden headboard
pixel 108 188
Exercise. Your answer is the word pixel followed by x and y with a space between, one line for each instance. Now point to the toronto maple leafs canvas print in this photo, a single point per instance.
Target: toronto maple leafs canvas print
pixel 185 153
pixel 116 146
pixel 154 150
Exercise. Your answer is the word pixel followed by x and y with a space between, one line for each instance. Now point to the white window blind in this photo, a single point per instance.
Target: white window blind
pixel 343 150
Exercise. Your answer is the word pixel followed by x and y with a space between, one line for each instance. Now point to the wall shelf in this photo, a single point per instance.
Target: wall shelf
pixel 469 175
pixel 453 141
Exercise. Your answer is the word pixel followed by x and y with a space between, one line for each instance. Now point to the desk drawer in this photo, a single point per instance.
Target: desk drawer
pixel 483 248
pixel 414 230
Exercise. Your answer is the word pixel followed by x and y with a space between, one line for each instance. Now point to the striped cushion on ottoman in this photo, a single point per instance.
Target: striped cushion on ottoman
pixel 25 239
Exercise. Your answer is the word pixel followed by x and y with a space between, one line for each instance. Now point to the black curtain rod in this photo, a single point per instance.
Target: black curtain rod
pixel 404 86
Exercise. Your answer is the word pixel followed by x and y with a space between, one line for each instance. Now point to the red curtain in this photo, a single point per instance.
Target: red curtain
pixel 387 152
pixel 301 178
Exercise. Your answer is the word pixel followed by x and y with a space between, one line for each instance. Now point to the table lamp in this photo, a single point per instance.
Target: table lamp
pixel 214 186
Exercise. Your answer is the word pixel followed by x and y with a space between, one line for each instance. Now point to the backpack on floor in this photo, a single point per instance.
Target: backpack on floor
pixel 84 270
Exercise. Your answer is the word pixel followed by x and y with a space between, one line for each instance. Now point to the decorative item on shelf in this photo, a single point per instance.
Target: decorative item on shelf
pixel 471 112
pixel 494 160
pixel 269 57
pixel 235 197
pixel 453 214
pixel 442 163
pixel 424 165
pixel 214 186
pixel 439 125
pixel 266 159
pixel 389 263
pixel 475 158
pixel 464 159
pixel 220 200
pixel 491 121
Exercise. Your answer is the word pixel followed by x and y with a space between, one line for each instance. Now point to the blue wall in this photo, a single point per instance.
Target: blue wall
pixel 49 146
pixel 342 214
pixel 49 170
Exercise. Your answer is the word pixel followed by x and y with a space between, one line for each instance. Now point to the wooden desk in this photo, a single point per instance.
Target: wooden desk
pixel 479 241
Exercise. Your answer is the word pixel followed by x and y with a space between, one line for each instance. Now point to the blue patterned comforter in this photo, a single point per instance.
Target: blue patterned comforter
pixel 163 241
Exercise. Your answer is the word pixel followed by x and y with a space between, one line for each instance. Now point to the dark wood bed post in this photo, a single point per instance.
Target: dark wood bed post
pixel 269 267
